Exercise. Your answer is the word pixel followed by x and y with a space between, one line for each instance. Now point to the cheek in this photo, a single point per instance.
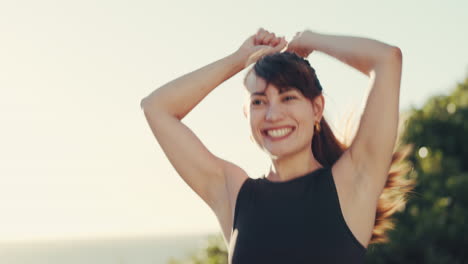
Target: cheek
pixel 255 120
pixel 309 129
pixel 306 118
pixel 255 116
pixel 254 124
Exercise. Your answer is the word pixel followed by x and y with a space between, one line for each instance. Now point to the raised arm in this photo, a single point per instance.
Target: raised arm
pixel 372 148
pixel 165 107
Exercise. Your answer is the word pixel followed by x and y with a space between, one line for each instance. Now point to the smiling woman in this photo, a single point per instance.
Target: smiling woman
pixel 283 114
pixel 322 201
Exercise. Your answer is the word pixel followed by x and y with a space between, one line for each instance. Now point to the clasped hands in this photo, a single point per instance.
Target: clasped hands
pixel 264 42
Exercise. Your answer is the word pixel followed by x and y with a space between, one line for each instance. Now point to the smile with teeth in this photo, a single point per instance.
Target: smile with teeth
pixel 276 133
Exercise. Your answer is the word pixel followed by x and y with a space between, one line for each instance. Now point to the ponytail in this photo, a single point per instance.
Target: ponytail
pixel 327 149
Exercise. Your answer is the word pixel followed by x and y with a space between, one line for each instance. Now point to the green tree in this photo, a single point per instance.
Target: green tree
pixel 214 252
pixel 432 227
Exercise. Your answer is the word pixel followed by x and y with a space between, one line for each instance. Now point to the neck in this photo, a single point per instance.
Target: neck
pixel 290 167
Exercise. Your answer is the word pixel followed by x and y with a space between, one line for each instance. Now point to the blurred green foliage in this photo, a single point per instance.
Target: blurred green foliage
pixel 432 228
pixel 214 252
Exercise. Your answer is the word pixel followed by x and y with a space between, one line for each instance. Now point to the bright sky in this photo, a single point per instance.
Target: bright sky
pixel 77 157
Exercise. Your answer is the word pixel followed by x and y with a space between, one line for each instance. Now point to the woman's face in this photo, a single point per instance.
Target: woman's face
pixel 282 123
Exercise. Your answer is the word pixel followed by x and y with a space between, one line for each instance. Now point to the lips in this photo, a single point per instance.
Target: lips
pixel 278 133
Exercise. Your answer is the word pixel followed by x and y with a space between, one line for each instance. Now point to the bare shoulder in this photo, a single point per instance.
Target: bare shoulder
pixel 357 205
pixel 234 177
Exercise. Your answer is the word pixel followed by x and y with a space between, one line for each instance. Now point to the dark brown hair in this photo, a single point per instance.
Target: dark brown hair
pixel 289 71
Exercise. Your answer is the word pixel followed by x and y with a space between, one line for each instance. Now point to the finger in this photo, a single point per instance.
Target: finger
pixel 260 36
pixel 281 44
pixel 268 38
pixel 276 41
pixel 290 47
pixel 259 31
pixel 303 53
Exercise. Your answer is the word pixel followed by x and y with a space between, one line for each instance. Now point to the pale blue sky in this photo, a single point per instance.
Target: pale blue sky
pixel 77 157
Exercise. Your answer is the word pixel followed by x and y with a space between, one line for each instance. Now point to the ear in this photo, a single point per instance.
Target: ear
pixel 319 106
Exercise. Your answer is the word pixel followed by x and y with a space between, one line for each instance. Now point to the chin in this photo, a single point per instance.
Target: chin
pixel 279 153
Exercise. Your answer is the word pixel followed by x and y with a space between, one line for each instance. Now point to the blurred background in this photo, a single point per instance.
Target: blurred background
pixel 83 180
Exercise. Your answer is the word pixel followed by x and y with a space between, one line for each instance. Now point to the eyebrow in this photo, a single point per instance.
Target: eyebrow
pixel 263 93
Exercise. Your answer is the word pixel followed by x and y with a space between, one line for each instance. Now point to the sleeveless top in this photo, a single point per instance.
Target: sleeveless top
pixel 295 221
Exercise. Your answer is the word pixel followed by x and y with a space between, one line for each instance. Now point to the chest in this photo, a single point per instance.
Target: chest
pixel 292 226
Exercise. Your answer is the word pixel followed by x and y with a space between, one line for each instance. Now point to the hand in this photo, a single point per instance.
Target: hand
pixel 300 44
pixel 261 44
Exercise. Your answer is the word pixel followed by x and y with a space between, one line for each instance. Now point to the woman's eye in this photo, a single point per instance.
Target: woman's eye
pixel 256 102
pixel 289 97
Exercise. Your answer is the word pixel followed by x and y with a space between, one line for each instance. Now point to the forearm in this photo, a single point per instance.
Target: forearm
pixel 363 54
pixel 181 95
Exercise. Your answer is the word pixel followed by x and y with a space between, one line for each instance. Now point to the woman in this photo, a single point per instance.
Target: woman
pixel 321 201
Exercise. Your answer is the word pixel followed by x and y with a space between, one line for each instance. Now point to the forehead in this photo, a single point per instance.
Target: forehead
pixel 255 84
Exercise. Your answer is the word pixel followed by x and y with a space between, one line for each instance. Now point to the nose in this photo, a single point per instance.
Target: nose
pixel 274 113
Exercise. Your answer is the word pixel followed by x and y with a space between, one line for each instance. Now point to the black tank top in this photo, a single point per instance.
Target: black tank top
pixel 295 221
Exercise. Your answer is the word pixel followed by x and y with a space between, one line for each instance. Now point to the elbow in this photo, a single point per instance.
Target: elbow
pixel 392 57
pixel 142 103
pixel 395 53
pixel 388 55
pixel 148 108
pixel 154 110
